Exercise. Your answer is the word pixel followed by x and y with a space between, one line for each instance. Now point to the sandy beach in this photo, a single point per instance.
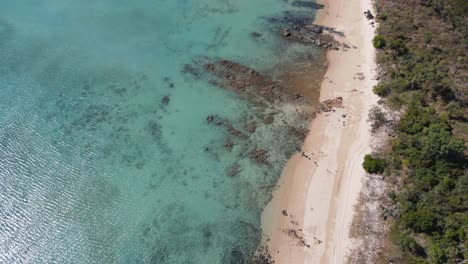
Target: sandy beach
pixel 309 217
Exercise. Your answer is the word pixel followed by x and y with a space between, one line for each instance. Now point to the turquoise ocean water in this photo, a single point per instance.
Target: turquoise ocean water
pixel 105 152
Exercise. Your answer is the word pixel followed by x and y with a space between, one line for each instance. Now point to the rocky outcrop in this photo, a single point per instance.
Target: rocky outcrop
pixel 311 5
pixel 247 82
pixel 328 105
pixel 259 155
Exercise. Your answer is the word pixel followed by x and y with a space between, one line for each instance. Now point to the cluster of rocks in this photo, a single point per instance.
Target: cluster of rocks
pixel 296 235
pixel 307 4
pixel 259 155
pixel 304 155
pixel 328 105
pixel 261 256
pixel 218 121
pixel 312 34
pixel 368 15
pixel 247 82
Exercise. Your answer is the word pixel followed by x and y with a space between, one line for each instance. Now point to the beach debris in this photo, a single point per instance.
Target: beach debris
pixel 318 240
pixel 233 170
pixel 360 76
pixel 233 131
pixel 284 212
pixel 304 155
pixel 368 14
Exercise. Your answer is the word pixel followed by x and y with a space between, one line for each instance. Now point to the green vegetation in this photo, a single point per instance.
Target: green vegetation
pixel 422 55
pixel 372 165
pixel 379 42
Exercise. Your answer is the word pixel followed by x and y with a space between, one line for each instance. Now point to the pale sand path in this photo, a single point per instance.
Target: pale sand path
pixel 319 194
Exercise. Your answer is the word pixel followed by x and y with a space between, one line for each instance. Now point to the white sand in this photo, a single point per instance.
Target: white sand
pixel 319 194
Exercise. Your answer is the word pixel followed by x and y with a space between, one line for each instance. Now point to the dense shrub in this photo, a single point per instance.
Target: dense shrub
pixel 382 90
pixel 379 42
pixel 398 45
pixel 372 165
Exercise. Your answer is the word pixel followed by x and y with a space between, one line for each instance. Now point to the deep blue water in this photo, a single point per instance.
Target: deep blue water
pixel 105 152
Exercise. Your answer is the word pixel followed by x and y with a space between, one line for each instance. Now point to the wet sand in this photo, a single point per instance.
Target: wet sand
pixel 309 217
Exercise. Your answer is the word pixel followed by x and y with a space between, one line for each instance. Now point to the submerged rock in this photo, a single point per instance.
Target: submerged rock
pixel 165 100
pixel 251 127
pixel 311 5
pixel 259 155
pixel 210 119
pixel 255 34
pixel 233 170
pixel 268 119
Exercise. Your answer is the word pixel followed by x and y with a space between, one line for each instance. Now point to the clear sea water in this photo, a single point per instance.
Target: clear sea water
pixel 95 167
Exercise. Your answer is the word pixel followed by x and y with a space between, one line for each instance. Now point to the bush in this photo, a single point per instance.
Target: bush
pixel 427 37
pixel 382 90
pixel 407 243
pixel 398 45
pixel 422 220
pixel 379 42
pixel 372 165
pixel 454 110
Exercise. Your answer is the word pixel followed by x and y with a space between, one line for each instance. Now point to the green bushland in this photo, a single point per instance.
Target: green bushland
pixel 422 48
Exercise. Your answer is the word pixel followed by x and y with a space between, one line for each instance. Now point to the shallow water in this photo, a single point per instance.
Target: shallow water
pixel 105 152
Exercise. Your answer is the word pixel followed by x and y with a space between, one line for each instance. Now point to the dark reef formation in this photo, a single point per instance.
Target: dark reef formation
pixel 298 27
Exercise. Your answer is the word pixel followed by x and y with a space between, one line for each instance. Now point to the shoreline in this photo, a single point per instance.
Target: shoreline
pixel 309 216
